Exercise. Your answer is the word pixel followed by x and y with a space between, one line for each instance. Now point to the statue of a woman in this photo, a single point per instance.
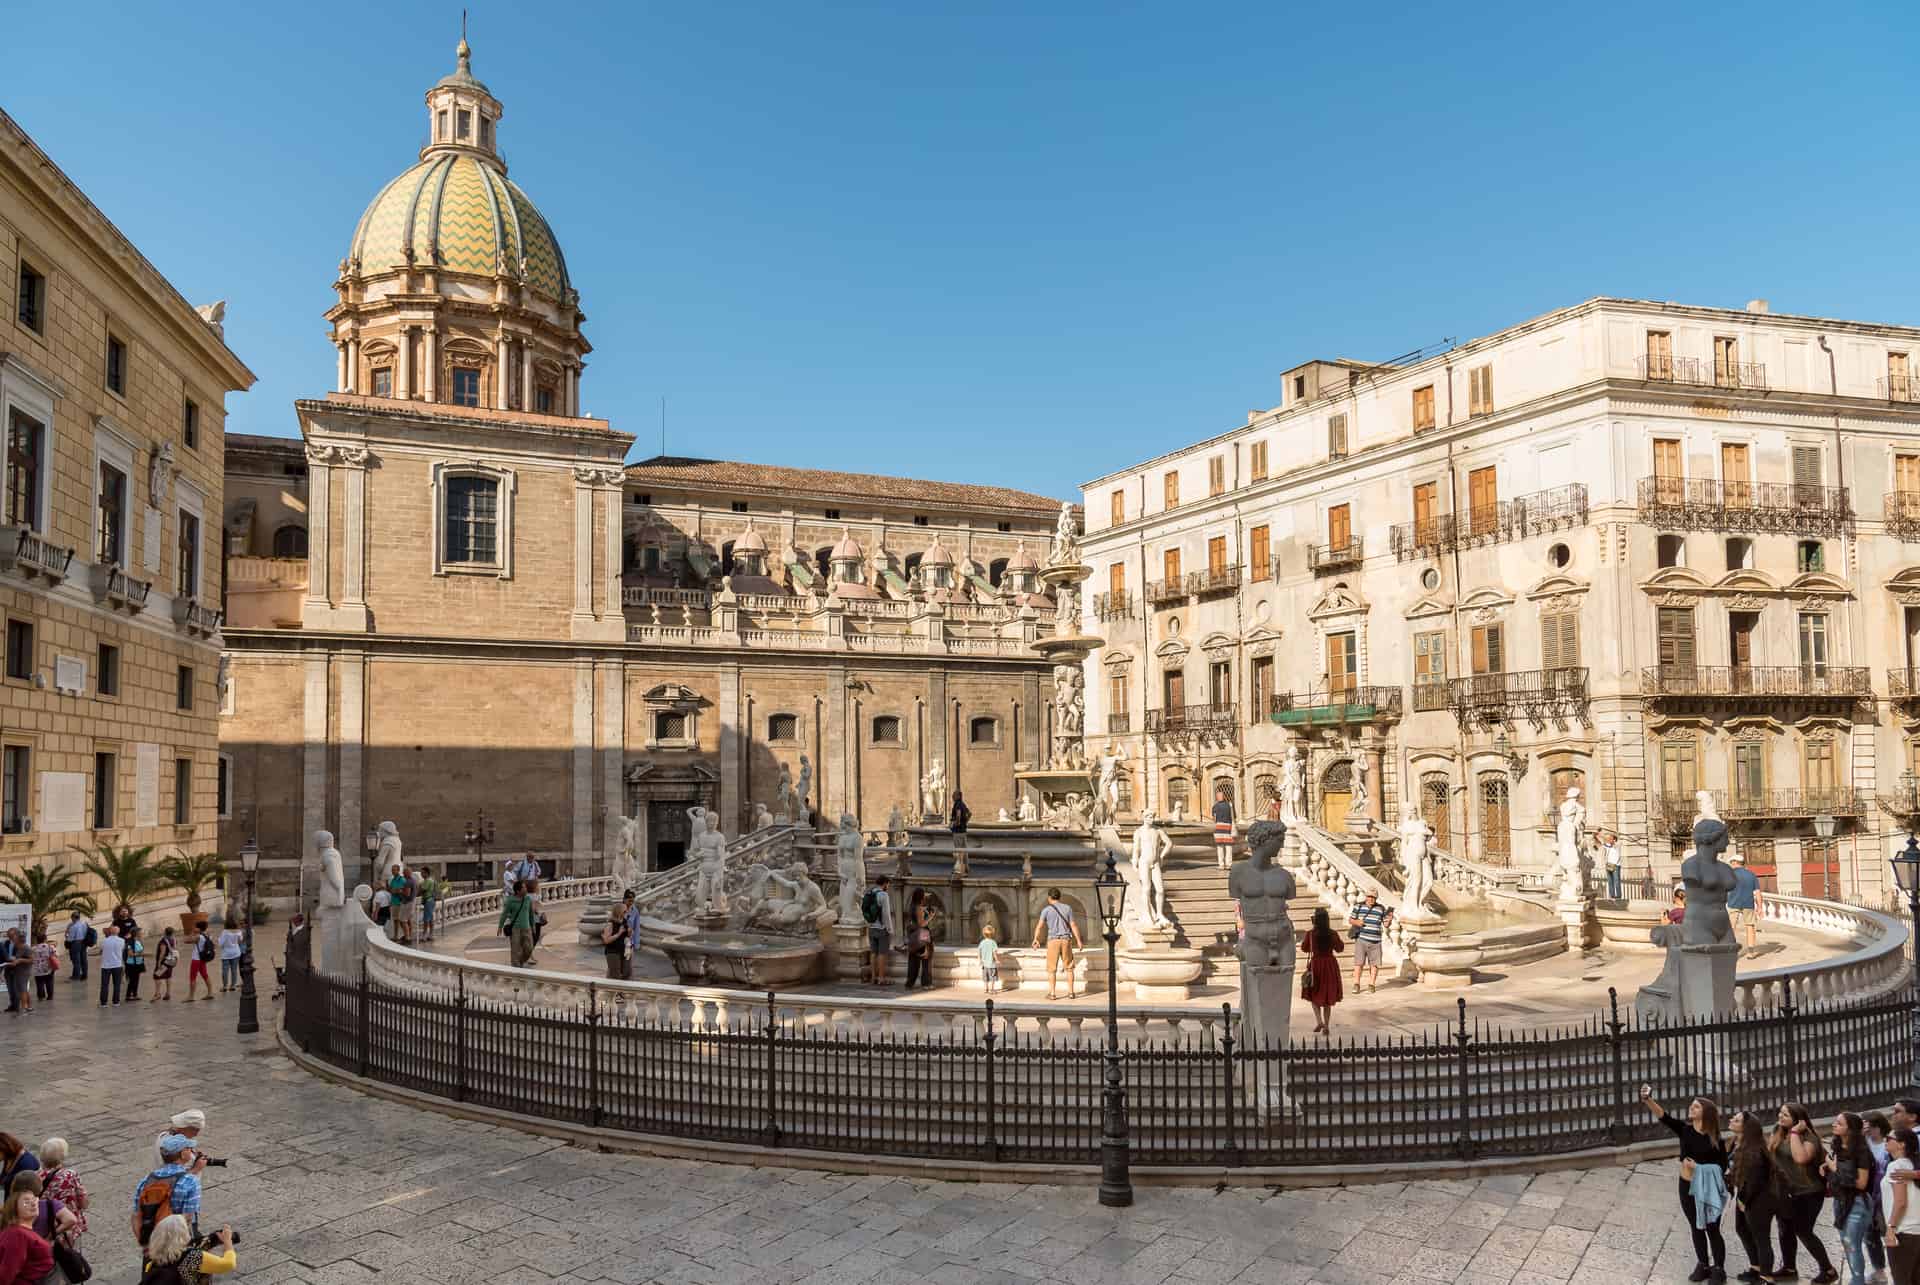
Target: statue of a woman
pixel 1293 787
pixel 1416 865
pixel 1708 881
pixel 1573 818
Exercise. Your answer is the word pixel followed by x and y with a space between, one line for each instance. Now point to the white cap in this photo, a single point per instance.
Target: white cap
pixel 190 1119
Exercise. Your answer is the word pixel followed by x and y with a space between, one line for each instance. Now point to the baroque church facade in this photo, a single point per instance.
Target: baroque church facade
pixel 450 603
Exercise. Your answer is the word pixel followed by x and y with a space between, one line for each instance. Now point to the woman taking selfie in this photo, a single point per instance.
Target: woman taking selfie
pixel 1703 1181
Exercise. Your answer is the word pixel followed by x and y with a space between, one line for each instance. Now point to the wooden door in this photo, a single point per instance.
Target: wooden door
pixel 1736 475
pixel 1336 794
pixel 1342 660
pixel 1749 772
pixel 668 830
pixel 1667 470
pixel 1117 584
pixel 1171 562
pixel 1339 527
pixel 1740 629
pixel 1496 834
pixel 1425 498
pixel 1483 499
pixel 1259 551
pixel 1220 684
pixel 1174 684
pixel 1906 474
pixel 1436 797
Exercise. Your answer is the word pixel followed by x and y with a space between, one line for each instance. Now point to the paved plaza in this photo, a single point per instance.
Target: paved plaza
pixel 328 1186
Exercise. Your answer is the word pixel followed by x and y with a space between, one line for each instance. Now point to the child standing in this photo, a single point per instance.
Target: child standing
pixel 989 965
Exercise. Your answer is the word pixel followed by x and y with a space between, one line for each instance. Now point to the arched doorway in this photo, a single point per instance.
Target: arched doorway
pixel 1436 793
pixel 1496 832
pixel 1336 793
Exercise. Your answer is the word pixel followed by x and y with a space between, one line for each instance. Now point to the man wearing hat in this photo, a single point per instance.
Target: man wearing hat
pixel 1369 925
pixel 1744 901
pixel 181 1163
pixel 187 1125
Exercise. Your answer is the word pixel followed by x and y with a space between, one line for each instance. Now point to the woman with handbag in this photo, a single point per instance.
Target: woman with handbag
pixel 919 940
pixel 1703 1181
pixel 1758 1191
pixel 25 1257
pixel 1848 1170
pixel 1796 1150
pixel 1320 985
pixel 54 1223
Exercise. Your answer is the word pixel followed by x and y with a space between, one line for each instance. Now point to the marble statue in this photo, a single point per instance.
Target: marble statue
pixel 1109 782
pixel 851 849
pixel 1708 881
pixel 1360 795
pixel 626 866
pixel 761 817
pixel 896 826
pixel 215 315
pixel 389 855
pixel 1066 611
pixel 800 791
pixel 1703 807
pixel 1293 787
pixel 1066 545
pixel 933 791
pixel 783 793
pixel 1003 818
pixel 1029 809
pixel 786 900
pixel 1572 866
pixel 1266 946
pixel 707 848
pixel 333 879
pixel 340 923
pixel 160 475
pixel 1150 848
pixel 223 680
pixel 1416 865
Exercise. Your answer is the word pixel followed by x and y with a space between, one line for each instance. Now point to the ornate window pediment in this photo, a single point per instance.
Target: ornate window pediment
pixel 1556 586
pixel 1173 651
pixel 1428 608
pixel 1117 662
pixel 1674 586
pixel 1904 585
pixel 1678 726
pixel 1746 581
pixel 1485 605
pixel 673 696
pixel 1261 640
pixel 1339 600
pixel 1821 727
pixel 1216 645
pixel 1753 727
pixel 1819 584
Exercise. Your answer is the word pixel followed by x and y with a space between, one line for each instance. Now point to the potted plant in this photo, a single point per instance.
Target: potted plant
pixel 190 875
pixel 128 873
pixel 48 891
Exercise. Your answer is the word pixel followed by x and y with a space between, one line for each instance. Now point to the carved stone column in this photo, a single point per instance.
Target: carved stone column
pixel 596 609
pixel 319 532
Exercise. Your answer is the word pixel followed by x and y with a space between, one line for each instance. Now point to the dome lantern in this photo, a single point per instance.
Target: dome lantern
pixel 462 116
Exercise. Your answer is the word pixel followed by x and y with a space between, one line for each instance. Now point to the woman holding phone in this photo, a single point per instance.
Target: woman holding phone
pixel 1703 1181
pixel 1796 1149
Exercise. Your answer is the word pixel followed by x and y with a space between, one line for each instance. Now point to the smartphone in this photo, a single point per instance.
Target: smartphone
pixel 1646 1091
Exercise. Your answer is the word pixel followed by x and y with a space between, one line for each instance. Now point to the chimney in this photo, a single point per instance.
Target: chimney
pixel 1757 305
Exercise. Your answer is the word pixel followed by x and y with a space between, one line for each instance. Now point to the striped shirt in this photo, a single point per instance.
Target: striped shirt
pixel 1371 920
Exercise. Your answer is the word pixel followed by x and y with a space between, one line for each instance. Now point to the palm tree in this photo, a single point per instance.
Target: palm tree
pixel 129 873
pixel 191 874
pixel 50 891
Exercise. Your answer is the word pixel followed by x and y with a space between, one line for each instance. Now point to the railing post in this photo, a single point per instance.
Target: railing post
pixel 593 1054
pixel 1617 1131
pixel 1231 1152
pixel 460 1038
pixel 993 1123
pixel 1788 1014
pixel 1463 1143
pixel 366 1002
pixel 770 1131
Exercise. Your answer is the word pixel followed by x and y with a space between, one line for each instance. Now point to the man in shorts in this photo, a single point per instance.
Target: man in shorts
pixel 1223 829
pixel 1062 936
pixel 880 933
pixel 1743 903
pixel 1369 922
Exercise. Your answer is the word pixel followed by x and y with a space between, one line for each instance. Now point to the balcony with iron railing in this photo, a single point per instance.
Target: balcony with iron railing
pixel 1119 724
pixel 195 617
pixel 1675 813
pixel 1213 580
pixel 1904 684
pixel 26 553
pixel 1699 373
pixel 1900 388
pixel 1709 504
pixel 1334 705
pixel 1543 511
pixel 1534 692
pixel 1757 682
pixel 1192 719
pixel 1325 558
pixel 1903 514
pixel 1116 604
pixel 1433 694
pixel 1162 592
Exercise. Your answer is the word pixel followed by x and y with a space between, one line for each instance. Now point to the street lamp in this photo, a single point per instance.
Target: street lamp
pixel 1823 827
pixel 479 835
pixel 1906 872
pixel 249 999
pixel 1116 1188
pixel 1516 763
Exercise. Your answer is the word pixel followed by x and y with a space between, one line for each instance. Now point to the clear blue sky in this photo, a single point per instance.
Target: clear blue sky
pixel 1007 242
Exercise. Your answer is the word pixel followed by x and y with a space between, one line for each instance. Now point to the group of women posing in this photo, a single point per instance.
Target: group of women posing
pixel 1785 1175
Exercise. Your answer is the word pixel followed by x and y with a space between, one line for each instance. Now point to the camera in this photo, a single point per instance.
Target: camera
pixel 214 1164
pixel 207 1240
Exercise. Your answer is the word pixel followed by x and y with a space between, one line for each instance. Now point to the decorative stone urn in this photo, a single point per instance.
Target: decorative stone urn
pixel 1161 973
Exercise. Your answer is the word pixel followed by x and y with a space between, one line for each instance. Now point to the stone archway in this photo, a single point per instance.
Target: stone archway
pixel 658 796
pixel 1336 793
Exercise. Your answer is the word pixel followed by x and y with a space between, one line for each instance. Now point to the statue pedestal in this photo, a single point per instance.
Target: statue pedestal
pixel 1291 850
pixel 1576 914
pixel 593 920
pixel 1266 1013
pixel 850 950
pixel 1705 986
pixel 710 920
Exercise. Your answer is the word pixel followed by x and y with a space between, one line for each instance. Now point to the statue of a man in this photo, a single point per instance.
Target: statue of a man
pixel 851 850
pixel 1293 787
pixel 389 856
pixel 708 848
pixel 627 867
pixel 1416 865
pixel 1573 818
pixel 896 826
pixel 333 879
pixel 1150 848
pixel 1029 809
pixel 1066 548
pixel 1109 788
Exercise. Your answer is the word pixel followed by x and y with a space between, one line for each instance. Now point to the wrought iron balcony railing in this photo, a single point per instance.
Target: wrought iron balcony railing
pixel 1563 506
pixel 1432 695
pixel 1192 718
pixel 1535 693
pixel 1709 504
pixel 1119 724
pixel 1216 580
pixel 1900 388
pixel 1164 591
pixel 1348 704
pixel 1675 813
pixel 195 618
pixel 1116 604
pixel 1699 373
pixel 1323 558
pixel 1762 682
pixel 1903 514
pixel 23 551
pixel 1904 684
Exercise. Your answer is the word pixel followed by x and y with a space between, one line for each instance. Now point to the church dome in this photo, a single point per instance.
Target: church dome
pixel 457 211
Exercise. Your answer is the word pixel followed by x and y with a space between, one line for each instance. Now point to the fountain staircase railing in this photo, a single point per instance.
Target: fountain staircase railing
pixel 667 895
pixel 1339 881
pixel 1474 878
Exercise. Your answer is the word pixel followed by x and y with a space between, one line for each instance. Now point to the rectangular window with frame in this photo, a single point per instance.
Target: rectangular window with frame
pixel 1483 499
pixel 1659 354
pixel 110 536
pixel 462 124
pixel 20 649
pixel 1343 662
pixel 1679 769
pixel 1257 462
pixel 1726 362
pixel 1423 408
pixel 1426 508
pixel 1749 772
pixel 1906 474
pixel 1170 489
pixel 16 785
pixel 188 581
pixel 1116 697
pixel 1217 556
pixel 1220 683
pixel 223 786
pixel 1560 640
pixel 106 786
pixel 1117 508
pixel 1117 582
pixel 1259 551
pixel 1822 774
pixel 1430 658
pixel 1262 686
pixel 1736 475
pixel 1173 689
pixel 26 462
pixel 1489 644
pixel 1480 390
pixel 1668 470
pixel 1899 385
pixel 183 687
pixel 1813 643
pixel 190 425
pixel 1217 475
pixel 106 670
pixel 1808 478
pixel 466 386
pixel 182 791
pixel 1339 528
pixel 1675 636
pixel 383 381
pixel 31 304
pixel 1170 563
pixel 116 365
pixel 473 514
pixel 543 400
pixel 1337 437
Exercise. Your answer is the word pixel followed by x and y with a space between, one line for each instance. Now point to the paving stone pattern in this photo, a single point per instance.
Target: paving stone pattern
pixel 328 1186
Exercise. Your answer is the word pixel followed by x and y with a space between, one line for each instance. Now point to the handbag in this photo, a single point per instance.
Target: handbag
pixel 1307 984
pixel 72 1263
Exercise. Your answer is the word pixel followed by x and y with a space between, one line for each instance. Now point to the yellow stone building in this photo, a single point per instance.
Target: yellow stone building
pixel 112 393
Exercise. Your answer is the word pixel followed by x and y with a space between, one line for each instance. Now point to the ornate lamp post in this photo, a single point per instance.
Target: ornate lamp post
pixel 1516 763
pixel 1823 828
pixel 1906 872
pixel 1116 1187
pixel 249 999
pixel 479 835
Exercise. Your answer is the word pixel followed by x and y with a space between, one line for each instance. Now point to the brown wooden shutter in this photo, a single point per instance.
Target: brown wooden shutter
pixel 1806 466
pixel 1906 473
pixel 1171 561
pixel 1339 526
pixel 1676 638
pixel 1666 457
pixel 1560 640
pixel 1217 555
pixel 1117 580
pixel 1258 542
pixel 1119 507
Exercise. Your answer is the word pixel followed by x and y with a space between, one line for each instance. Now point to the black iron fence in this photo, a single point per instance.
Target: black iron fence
pixel 1000 1093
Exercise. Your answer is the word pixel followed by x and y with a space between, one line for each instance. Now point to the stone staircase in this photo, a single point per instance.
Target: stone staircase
pixel 1202 909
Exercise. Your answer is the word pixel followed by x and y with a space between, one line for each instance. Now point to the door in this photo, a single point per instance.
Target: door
pixel 1117 586
pixel 1740 629
pixel 1170 564
pixel 1489 660
pixel 1813 646
pixel 1483 499
pixel 1749 774
pixel 1676 644
pixel 1117 703
pixel 1339 528
pixel 668 830
pixel 1667 470
pixel 1911 618
pixel 1220 685
pixel 1173 686
pixel 1342 661
pixel 1435 797
pixel 1425 500
pixel 1262 686
pixel 1496 834
pixel 1906 474
pixel 1258 553
pixel 1736 477
pixel 1217 557
pixel 1336 794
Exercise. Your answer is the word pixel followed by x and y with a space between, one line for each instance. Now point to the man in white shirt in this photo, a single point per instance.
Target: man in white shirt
pixel 113 963
pixel 77 929
pixel 1610 856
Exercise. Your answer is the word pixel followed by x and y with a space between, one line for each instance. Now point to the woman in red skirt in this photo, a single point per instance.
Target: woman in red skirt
pixel 1321 985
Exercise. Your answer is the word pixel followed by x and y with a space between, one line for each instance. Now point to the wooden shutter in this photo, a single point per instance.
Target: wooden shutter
pixel 1341 655
pixel 1424 497
pixel 1736 474
pixel 1480 390
pixel 1906 473
pixel 1176 688
pixel 1423 407
pixel 1659 354
pixel 1489 654
pixel 1666 457
pixel 1726 361
pixel 1337 437
pixel 1429 657
pixel 1117 581
pixel 1257 461
pixel 1119 513
pixel 1340 526
pixel 1257 540
pixel 1483 499
pixel 1217 555
pixel 1806 474
pixel 1560 640
pixel 1171 561
pixel 1676 638
pixel 1217 475
pixel 1170 485
pixel 1116 697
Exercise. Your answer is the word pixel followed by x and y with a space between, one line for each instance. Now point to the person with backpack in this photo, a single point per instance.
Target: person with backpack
pixel 203 954
pixel 80 939
pixel 877 909
pixel 166 957
pixel 173 1188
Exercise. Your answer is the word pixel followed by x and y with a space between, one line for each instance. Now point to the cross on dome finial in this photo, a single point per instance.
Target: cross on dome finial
pixel 463 50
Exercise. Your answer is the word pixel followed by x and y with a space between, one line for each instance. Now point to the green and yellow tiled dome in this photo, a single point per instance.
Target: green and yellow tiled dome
pixel 458 213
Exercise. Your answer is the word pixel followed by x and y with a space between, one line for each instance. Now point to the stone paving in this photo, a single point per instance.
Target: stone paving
pixel 328 1186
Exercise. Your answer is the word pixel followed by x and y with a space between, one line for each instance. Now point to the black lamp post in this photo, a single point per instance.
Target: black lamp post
pixel 1116 1187
pixel 479 835
pixel 249 998
pixel 1906 872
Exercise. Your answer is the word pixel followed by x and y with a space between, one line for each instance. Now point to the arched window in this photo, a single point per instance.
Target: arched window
pixel 726 558
pixel 984 731
pixel 1221 783
pixel 1177 796
pixel 996 570
pixel 823 559
pixel 1265 790
pixel 783 727
pixel 912 564
pixel 290 541
pixel 886 729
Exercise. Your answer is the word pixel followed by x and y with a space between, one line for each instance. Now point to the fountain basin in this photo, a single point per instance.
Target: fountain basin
pixel 1161 972
pixel 1447 961
pixel 760 961
pixel 1629 925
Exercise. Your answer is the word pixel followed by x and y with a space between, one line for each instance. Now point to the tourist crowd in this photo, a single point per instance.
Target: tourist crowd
pixel 44 1217
pixel 125 960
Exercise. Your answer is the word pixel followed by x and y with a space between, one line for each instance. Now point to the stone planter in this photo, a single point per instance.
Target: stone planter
pixel 1630 926
pixel 1161 973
